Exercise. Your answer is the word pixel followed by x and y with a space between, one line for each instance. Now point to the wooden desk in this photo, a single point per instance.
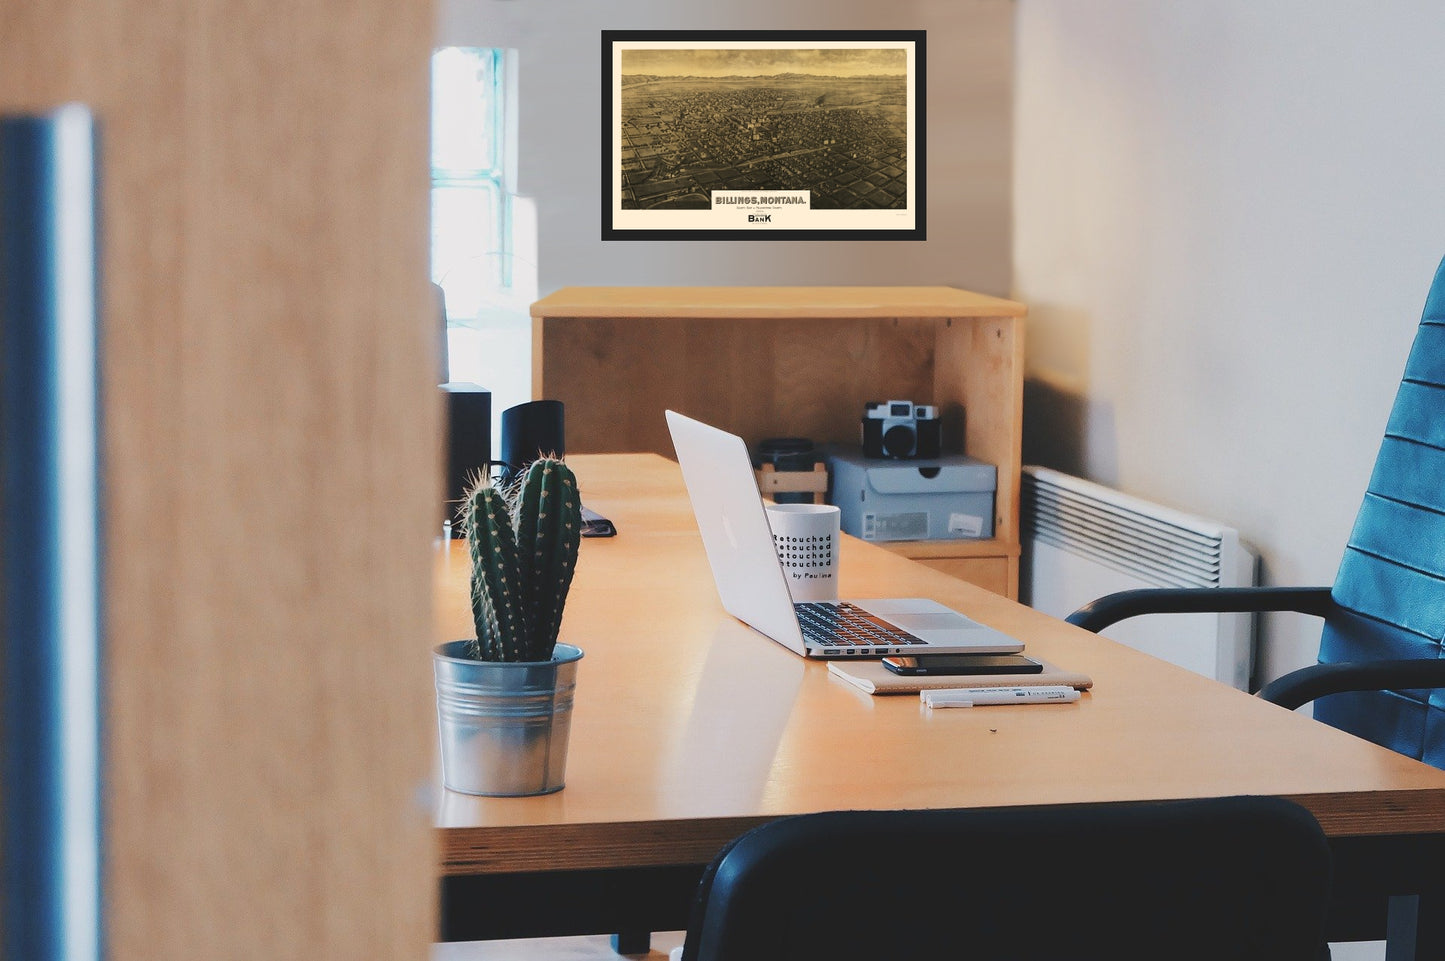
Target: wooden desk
pixel 690 728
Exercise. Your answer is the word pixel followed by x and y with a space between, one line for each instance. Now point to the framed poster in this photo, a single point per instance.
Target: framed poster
pixel 776 135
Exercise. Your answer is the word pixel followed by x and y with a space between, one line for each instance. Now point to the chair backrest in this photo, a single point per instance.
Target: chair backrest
pixel 1390 589
pixel 1239 878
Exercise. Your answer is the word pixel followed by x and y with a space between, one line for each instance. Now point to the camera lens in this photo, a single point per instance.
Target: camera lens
pixel 899 440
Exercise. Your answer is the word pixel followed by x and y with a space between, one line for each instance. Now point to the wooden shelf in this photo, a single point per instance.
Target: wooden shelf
pixel 991 564
pixel 794 361
pixel 924 550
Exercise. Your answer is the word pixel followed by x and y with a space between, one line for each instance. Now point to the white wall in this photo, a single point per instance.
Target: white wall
pixel 969 141
pixel 1227 216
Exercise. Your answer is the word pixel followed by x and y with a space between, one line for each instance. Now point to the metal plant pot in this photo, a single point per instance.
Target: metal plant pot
pixel 504 726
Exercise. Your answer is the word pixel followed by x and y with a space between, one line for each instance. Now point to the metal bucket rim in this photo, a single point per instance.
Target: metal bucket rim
pixel 562 653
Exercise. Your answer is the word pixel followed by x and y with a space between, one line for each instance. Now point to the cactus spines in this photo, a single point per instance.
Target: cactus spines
pixel 497 601
pixel 549 530
pixel 523 544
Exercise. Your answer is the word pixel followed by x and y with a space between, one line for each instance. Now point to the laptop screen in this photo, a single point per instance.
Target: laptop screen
pixel 734 527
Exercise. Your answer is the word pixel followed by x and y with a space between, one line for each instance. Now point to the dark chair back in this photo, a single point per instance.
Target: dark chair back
pixel 1238 878
pixel 1390 589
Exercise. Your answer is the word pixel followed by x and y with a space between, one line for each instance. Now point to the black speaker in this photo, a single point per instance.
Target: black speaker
pixel 530 431
pixel 469 442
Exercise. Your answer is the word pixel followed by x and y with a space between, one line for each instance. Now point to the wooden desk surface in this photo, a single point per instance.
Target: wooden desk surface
pixel 689 727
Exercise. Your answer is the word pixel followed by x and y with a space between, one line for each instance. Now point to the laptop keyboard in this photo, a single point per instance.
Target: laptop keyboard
pixel 845 626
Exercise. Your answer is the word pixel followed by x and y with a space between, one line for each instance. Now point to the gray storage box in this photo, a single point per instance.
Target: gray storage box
pixel 947 498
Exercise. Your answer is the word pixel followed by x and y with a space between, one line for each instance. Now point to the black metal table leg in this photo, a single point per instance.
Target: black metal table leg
pixel 1416 928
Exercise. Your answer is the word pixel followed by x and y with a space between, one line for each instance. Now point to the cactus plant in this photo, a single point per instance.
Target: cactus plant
pixel 523 544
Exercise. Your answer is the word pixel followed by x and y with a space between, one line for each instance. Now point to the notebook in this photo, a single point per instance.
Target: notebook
pixel 753 587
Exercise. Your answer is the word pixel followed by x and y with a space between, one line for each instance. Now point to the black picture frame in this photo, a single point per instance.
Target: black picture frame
pixel 763 135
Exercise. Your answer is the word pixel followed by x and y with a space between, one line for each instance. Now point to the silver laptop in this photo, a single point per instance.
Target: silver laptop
pixel 754 588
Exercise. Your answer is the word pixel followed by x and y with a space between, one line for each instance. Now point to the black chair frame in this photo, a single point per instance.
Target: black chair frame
pixel 1295 688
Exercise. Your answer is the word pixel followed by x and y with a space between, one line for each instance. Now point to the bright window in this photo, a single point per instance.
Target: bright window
pixel 483 235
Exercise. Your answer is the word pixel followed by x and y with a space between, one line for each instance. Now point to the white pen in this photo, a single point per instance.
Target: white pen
pixel 981 696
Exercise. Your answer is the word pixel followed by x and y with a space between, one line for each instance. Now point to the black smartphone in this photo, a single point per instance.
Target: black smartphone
pixel 914 665
pixel 595 525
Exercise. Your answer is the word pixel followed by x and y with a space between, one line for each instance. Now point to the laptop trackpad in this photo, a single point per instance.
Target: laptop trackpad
pixel 915 614
pixel 924 624
pixel 950 629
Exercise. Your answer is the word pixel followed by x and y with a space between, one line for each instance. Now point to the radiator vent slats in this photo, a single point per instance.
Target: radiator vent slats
pixel 1161 547
pixel 1082 541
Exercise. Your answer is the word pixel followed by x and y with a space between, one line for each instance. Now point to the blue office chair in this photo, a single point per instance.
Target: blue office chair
pixel 1238 878
pixel 1381 663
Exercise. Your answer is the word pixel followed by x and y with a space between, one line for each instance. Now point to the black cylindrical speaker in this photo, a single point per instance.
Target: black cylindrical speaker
pixel 469 442
pixel 530 431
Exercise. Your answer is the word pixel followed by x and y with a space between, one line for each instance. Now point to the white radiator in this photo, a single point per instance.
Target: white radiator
pixel 1082 540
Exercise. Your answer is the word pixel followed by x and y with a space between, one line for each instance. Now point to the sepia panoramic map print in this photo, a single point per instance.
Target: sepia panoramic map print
pixel 833 122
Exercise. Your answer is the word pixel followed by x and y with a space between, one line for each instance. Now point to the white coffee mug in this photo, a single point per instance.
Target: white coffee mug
pixel 806 537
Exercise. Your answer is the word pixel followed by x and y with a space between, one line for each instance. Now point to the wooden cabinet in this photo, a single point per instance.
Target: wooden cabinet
pixel 794 361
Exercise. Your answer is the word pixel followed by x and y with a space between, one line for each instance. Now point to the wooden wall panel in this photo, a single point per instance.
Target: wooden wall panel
pixel 992 381
pixel 271 439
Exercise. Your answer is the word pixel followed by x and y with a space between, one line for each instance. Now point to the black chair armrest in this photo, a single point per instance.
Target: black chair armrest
pixel 1304 685
pixel 1099 614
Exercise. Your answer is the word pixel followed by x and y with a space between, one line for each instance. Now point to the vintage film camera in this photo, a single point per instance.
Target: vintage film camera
pixel 901 429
